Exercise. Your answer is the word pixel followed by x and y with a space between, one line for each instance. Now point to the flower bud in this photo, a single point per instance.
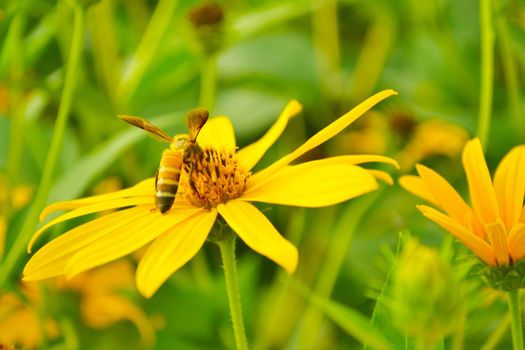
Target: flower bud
pixel 426 294
pixel 206 20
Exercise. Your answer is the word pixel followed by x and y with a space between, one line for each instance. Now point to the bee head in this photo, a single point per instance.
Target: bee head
pixel 180 141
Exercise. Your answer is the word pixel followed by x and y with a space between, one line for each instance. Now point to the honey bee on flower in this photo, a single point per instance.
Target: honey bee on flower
pixel 217 181
pixel 183 151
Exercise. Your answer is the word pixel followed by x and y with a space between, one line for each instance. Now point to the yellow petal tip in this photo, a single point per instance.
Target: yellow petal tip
pixel 145 291
pixel 294 261
pixel 390 92
pixel 422 208
pixel 294 107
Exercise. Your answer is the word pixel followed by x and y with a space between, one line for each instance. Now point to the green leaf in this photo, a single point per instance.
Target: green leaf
pixel 351 321
pixel 382 319
pixel 254 22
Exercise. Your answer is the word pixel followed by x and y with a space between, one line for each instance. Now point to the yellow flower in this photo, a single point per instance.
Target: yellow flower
pixel 220 184
pixel 104 302
pixel 20 324
pixel 432 137
pixel 494 227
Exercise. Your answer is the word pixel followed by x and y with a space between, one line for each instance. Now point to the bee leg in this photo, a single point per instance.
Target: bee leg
pixel 192 183
pixel 156 179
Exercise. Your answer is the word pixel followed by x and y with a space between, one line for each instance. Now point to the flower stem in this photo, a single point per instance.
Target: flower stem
pixel 13 59
pixel 510 73
pixel 423 343
pixel 227 248
pixel 515 317
pixel 326 42
pixel 487 69
pixel 208 82
pixel 18 247
pixel 146 51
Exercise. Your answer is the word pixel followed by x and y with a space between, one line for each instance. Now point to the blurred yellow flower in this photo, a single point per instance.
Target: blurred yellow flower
pixel 432 137
pixel 20 323
pixel 369 135
pixel 104 302
pixel 221 183
pixel 494 227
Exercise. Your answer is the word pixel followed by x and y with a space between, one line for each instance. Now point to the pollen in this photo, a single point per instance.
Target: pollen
pixel 212 177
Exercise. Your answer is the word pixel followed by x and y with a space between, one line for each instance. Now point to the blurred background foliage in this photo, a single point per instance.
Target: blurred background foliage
pixel 158 60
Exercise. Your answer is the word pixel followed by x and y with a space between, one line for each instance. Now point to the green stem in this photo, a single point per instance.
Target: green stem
pixel 146 50
pixel 458 337
pixel 510 72
pixel 515 317
pixel 487 69
pixel 325 29
pixel 18 248
pixel 497 334
pixel 372 56
pixel 15 76
pixel 423 343
pixel 227 248
pixel 208 82
pixel 11 57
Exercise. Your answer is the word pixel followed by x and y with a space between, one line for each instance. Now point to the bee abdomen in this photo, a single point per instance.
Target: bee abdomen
pixel 167 182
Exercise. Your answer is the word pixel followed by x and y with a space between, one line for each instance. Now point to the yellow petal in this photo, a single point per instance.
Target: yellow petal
pixel 251 154
pixel 478 246
pixel 125 240
pixel 172 250
pixel 381 175
pixel 144 188
pixel 497 235
pixel 481 191
pixel 516 242
pixel 259 233
pixel 416 186
pixel 331 130
pixel 217 133
pixel 509 185
pixel 446 196
pixel 368 158
pixel 94 208
pixel 260 178
pixel 312 184
pixel 51 259
pixel 473 224
pixel 101 310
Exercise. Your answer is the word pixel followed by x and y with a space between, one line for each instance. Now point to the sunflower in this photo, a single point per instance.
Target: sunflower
pixel 494 226
pixel 220 183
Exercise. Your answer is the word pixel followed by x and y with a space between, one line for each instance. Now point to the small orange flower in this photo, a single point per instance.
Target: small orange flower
pixel 494 227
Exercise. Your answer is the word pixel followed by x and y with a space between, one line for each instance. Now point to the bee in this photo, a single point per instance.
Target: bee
pixel 183 148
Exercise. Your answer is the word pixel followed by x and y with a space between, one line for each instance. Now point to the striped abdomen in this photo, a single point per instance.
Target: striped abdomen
pixel 167 182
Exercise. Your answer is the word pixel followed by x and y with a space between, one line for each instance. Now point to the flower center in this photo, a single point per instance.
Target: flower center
pixel 211 177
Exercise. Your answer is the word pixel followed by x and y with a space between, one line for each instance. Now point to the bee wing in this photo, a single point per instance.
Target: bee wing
pixel 147 126
pixel 195 120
